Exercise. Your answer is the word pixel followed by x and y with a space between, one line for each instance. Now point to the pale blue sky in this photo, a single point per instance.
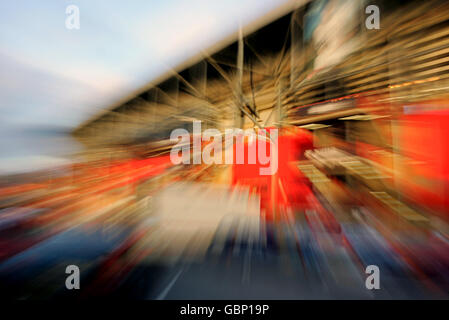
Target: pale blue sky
pixel 54 77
